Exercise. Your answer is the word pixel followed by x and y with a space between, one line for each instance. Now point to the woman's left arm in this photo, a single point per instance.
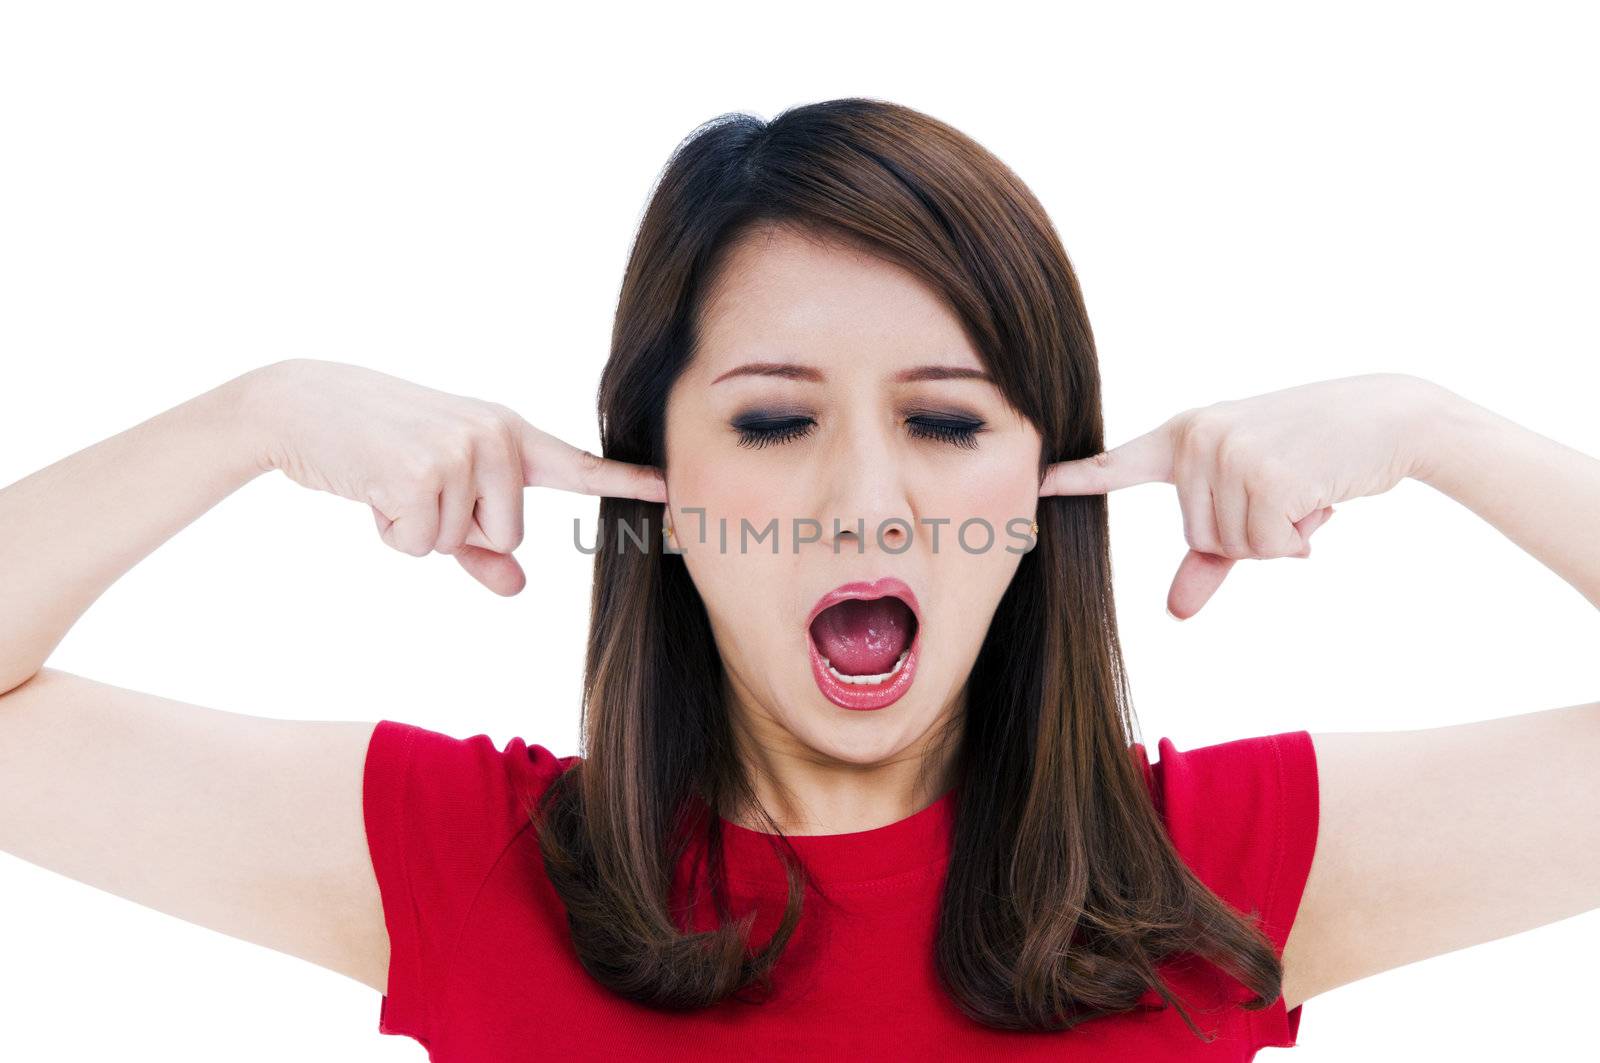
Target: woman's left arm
pixel 1437 839
pixel 1544 496
pixel 1429 840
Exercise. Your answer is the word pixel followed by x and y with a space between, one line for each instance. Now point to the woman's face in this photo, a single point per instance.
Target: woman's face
pixel 822 392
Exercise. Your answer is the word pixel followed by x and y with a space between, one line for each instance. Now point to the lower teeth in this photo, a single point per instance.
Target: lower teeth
pixel 861 680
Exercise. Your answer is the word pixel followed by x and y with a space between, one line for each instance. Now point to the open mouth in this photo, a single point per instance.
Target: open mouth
pixel 864 640
pixel 864 644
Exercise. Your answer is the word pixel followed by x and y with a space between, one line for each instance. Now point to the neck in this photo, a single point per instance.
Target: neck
pixel 806 791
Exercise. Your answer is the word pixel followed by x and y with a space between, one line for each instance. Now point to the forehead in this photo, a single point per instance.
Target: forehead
pixel 781 293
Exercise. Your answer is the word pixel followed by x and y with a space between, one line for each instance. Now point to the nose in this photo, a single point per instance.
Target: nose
pixel 864 498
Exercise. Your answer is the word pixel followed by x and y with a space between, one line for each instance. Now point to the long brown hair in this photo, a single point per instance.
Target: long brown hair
pixel 1053 814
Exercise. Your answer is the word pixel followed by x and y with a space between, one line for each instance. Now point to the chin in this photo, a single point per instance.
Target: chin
pixel 861 739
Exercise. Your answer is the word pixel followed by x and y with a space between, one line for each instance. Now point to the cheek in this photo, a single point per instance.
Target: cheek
pixel 996 492
pixel 724 498
pixel 722 574
pixel 732 618
pixel 995 500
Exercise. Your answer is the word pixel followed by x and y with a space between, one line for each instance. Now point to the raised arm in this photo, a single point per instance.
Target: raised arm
pixel 249 825
pixel 1437 839
pixel 70 530
pixel 442 473
pixel 1542 495
pixel 1428 840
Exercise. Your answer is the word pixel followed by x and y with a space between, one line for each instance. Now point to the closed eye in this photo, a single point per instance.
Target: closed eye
pixel 761 431
pixel 757 432
pixel 959 432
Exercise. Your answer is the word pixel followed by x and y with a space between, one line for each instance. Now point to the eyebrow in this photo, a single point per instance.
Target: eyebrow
pixel 796 371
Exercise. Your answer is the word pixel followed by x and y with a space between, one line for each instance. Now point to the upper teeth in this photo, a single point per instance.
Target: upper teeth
pixel 860 680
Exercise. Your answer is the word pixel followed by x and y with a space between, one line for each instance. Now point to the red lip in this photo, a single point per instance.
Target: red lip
pixel 854 696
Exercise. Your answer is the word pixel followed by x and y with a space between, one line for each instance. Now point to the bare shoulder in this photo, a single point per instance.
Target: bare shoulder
pixel 1437 839
pixel 249 825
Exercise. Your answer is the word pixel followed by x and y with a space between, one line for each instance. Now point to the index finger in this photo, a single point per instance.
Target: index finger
pixel 551 462
pixel 1144 459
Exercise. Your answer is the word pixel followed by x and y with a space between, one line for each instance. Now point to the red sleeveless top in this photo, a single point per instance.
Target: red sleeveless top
pixel 482 969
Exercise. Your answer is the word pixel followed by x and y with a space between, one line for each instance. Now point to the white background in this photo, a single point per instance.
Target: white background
pixel 1253 197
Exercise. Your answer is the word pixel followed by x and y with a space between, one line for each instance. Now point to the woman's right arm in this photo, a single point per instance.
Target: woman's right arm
pixel 252 826
pixel 70 530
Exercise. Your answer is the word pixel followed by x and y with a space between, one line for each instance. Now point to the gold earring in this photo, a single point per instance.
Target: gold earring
pixel 672 536
pixel 1036 527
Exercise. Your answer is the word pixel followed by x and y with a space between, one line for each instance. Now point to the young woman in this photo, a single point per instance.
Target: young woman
pixel 859 777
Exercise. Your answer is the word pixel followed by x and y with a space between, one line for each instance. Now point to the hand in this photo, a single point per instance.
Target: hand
pixel 1256 476
pixel 442 473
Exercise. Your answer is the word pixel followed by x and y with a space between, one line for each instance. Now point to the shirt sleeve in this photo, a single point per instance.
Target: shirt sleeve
pixel 1243 815
pixel 439 812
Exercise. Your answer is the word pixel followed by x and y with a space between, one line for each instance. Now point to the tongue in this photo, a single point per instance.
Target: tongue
pixel 864 637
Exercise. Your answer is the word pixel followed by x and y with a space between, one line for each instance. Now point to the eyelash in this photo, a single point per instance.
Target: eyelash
pixel 761 432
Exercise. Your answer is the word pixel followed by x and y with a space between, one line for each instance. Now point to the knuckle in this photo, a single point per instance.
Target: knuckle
pixel 1198 443
pixel 505 436
pixel 404 544
pixel 456 452
pixel 380 496
pixel 1191 536
pixel 1237 452
pixel 1270 475
pixel 419 468
pixel 1234 546
pixel 500 413
pixel 500 453
pixel 1189 433
pixel 1205 422
pixel 490 425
